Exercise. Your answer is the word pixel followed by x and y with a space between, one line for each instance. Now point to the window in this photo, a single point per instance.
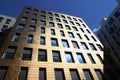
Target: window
pixel 5 27
pixel 54 42
pixel 50 18
pixel 77 24
pixel 34 15
pixel 56 56
pixel 1 19
pixel 32 28
pixel 43 17
pixel 27 54
pixel 24 19
pixel 84 46
pixel 59 74
pixel 92 46
pixel 79 36
pixel 82 30
pixel 74 19
pixel 42 30
pixel 42 55
pixel 43 23
pixel 69 57
pixel 100 48
pixel 23 73
pixel 52 31
pixel 63 16
pixel 30 39
pixel 80 20
pixel 34 21
pixel 91 58
pixel 60 26
pixel 75 45
pixel 74 74
pixel 75 29
pixel 58 20
pixel 86 37
pixel 56 15
pixel 117 14
pixel 84 25
pixel 42 74
pixel 3 71
pixel 111 21
pixel 81 58
pixel 88 74
pixel 69 18
pixel 71 23
pixel 65 43
pixel 16 37
pixel 70 34
pixel 42 12
pixel 93 38
pixel 67 27
pixel 100 59
pixel 65 21
pixel 51 24
pixel 88 31
pixel 10 52
pixel 36 10
pixel 99 74
pixel 42 40
pixel 62 33
pixel 50 14
pixel 20 27
pixel 26 13
pixel 111 30
pixel 8 21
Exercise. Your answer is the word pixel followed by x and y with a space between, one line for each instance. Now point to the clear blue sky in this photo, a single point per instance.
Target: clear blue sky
pixel 91 11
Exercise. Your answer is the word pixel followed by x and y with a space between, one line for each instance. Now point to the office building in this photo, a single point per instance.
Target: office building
pixel 6 23
pixel 109 35
pixel 46 45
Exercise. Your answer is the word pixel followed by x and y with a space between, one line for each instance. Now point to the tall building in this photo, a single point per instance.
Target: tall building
pixel 45 45
pixel 6 23
pixel 109 35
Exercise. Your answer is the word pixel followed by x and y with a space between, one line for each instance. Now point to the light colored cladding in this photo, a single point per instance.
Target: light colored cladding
pixel 34 65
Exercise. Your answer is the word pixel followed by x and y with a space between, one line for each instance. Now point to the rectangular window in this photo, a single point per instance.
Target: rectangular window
pixel 92 46
pixel 100 59
pixel 50 14
pixel 99 74
pixel 93 38
pixel 69 57
pixel 88 74
pixel 5 27
pixel 43 23
pixel 74 19
pixel 86 37
pixel 59 74
pixel 74 74
pixel 3 71
pixel 16 37
pixel 33 21
pixel 80 58
pixel 32 28
pixel 111 21
pixel 79 36
pixel 88 31
pixel 20 27
pixel 63 16
pixel 70 34
pixel 52 32
pixel 62 33
pixel 42 40
pixel 75 29
pixel 24 19
pixel 67 27
pixel 65 43
pixel 50 18
pixel 30 39
pixel 42 55
pixel 60 26
pixel 58 20
pixel 69 18
pixel 91 58
pixel 43 12
pixel 116 14
pixel 56 56
pixel 23 73
pixel 54 42
pixel 42 74
pixel 42 30
pixel 10 52
pixel 84 46
pixel 65 21
pixel 51 24
pixel 84 25
pixel 78 24
pixel 81 30
pixel 100 47
pixel 43 17
pixel 27 54
pixel 34 15
pixel 75 45
pixel 1 19
pixel 56 15
pixel 71 23
pixel 8 21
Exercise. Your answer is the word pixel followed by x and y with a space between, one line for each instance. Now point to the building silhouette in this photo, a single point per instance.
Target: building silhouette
pixel 46 45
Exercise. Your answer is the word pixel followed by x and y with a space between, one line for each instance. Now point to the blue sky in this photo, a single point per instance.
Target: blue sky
pixel 91 11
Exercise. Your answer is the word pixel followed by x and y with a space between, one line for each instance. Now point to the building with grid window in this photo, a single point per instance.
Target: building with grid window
pixel 109 35
pixel 45 45
pixel 6 23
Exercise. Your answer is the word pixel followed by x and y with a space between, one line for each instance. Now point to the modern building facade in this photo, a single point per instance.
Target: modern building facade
pixel 109 35
pixel 45 45
pixel 6 23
